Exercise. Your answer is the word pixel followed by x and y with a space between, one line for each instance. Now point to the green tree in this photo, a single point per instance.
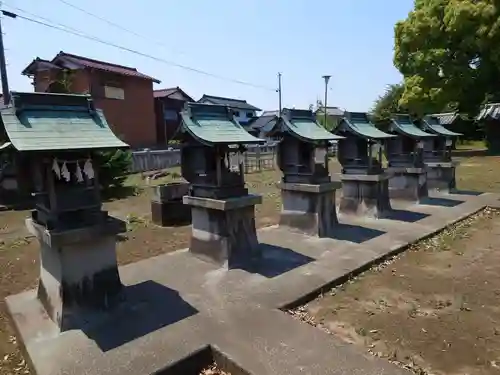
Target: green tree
pixel 388 103
pixel 449 54
pixel 330 123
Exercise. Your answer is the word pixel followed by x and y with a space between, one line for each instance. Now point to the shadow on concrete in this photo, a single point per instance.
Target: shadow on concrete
pixel 466 192
pixel 404 215
pixel 276 260
pixel 355 233
pixel 146 307
pixel 441 202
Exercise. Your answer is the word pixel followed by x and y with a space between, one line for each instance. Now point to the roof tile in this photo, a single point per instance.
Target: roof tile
pixel 42 121
pixel 101 65
pixel 229 102
pixel 213 124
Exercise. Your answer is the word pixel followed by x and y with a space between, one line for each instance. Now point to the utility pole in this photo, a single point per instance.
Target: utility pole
pixel 3 66
pixel 279 93
pixel 326 78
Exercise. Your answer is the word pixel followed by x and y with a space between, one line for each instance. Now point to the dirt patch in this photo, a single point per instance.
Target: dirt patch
pixel 434 309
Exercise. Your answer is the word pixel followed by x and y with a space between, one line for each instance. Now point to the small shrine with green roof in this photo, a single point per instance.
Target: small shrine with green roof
pixel 438 148
pixel 307 192
pixel 405 159
pixel 365 187
pixel 60 134
pixel 437 155
pixel 222 210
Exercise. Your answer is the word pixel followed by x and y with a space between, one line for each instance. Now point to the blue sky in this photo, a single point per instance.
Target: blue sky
pixel 248 40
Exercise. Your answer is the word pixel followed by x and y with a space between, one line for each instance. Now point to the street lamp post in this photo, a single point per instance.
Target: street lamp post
pixel 327 79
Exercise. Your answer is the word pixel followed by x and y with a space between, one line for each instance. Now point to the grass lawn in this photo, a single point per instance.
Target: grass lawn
pixel 19 252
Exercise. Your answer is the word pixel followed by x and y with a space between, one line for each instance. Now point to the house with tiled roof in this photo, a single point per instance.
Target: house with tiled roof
pixel 243 111
pixel 334 115
pixel 123 93
pixel 169 103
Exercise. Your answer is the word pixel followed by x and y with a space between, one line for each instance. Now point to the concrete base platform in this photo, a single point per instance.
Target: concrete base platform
pixel 441 176
pixel 176 305
pixel 409 184
pixel 309 209
pixel 365 195
pixel 223 230
pixel 170 213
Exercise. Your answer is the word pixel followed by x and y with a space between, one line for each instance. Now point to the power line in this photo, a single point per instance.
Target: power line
pixel 111 23
pixel 70 30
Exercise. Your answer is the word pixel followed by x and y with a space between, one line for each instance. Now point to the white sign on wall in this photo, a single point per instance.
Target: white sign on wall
pixel 111 92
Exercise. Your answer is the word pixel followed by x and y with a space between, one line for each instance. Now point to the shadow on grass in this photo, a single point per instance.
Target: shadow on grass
pixel 469 153
pixel 146 307
pixel 121 192
pixel 12 201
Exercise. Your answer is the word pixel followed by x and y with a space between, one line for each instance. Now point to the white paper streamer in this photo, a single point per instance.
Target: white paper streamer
pixel 55 168
pixel 65 172
pixel 78 173
pixel 88 170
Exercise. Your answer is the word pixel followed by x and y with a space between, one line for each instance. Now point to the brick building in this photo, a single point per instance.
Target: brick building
pixel 124 94
pixel 168 104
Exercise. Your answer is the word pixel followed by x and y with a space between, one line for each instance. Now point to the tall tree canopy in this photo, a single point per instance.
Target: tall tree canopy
pixel 449 52
pixel 388 103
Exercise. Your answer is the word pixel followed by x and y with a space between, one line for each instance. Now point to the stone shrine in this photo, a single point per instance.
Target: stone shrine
pixel 167 207
pixel 60 134
pixel 405 159
pixel 365 187
pixel 222 210
pixel 307 192
pixel 437 155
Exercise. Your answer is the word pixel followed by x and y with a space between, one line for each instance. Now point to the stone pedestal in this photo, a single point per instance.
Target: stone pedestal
pixel 441 176
pixel 223 231
pixel 309 209
pixel 365 195
pixel 167 207
pixel 408 184
pixel 78 270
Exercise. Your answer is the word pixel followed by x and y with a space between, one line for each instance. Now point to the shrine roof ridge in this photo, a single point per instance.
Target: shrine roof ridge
pixel 51 122
pixel 301 123
pixel 358 123
pixel 403 124
pixel 213 124
pixel 432 124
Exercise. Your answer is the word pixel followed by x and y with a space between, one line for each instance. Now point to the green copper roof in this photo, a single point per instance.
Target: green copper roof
pixel 403 124
pixel 214 124
pixel 42 121
pixel 359 124
pixel 302 124
pixel 431 124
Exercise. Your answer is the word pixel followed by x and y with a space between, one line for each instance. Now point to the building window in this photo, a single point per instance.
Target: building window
pixel 237 113
pixel 170 114
pixel 249 114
